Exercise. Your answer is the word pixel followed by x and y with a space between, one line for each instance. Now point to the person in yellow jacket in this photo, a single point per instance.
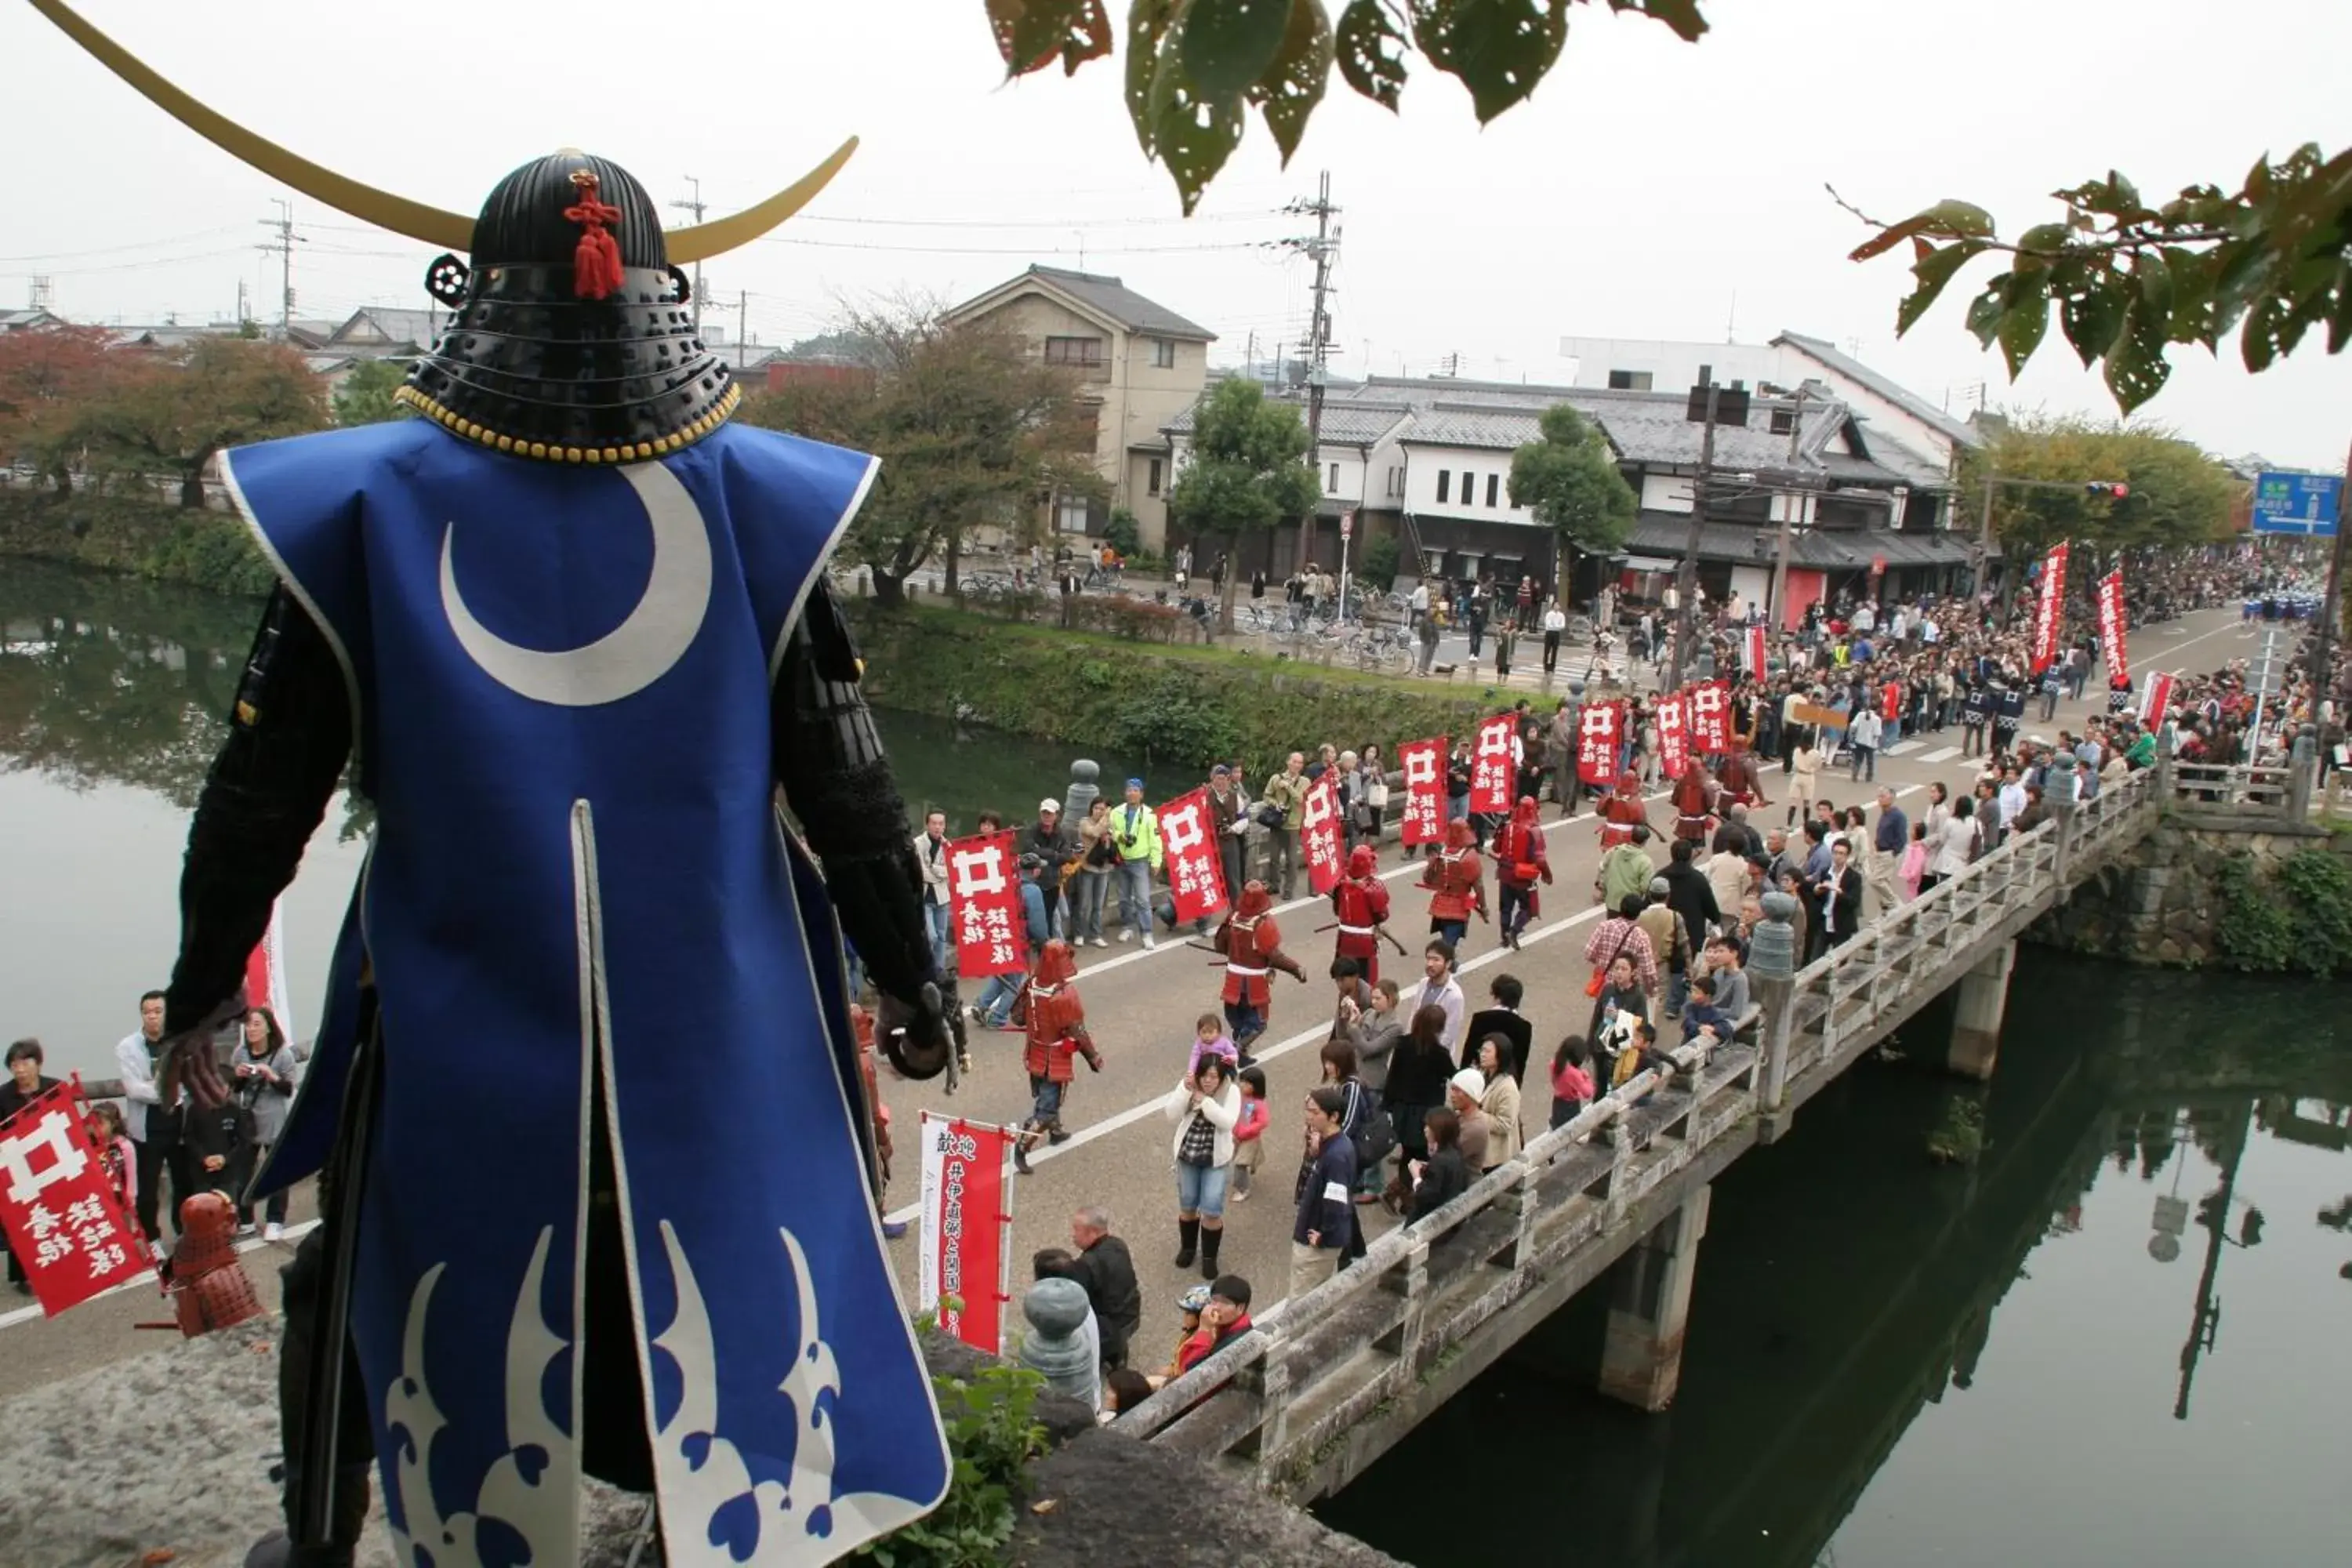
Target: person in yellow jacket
pixel 1135 833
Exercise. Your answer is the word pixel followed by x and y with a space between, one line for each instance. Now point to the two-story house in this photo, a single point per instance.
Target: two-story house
pixel 1140 364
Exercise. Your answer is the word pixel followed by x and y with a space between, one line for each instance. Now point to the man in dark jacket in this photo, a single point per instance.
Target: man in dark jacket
pixel 1503 1019
pixel 26 1083
pixel 1325 1222
pixel 1107 1272
pixel 1045 848
pixel 1691 897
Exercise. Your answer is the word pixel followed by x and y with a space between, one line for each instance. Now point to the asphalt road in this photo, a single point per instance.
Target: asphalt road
pixel 1141 1008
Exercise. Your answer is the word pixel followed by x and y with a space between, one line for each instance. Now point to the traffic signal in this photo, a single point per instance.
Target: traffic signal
pixel 2106 490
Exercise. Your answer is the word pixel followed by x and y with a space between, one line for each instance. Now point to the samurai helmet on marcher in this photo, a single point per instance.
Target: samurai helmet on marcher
pixel 572 341
pixel 1362 861
pixel 1527 813
pixel 1054 963
pixel 1254 901
pixel 1460 835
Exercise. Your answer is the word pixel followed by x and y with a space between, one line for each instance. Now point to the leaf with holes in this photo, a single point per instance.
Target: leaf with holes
pixel 1500 48
pixel 1148 22
pixel 1947 220
pixel 1293 85
pixel 1682 16
pixel 2024 318
pixel 1986 308
pixel 1230 45
pixel 1372 52
pixel 2155 282
pixel 1192 132
pixel 2136 370
pixel 1033 33
pixel 2091 313
pixel 1932 270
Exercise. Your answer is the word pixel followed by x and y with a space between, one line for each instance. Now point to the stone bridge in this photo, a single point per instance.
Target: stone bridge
pixel 1326 1383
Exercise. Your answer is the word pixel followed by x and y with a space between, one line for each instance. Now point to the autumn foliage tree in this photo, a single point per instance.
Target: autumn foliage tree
pixel 171 412
pixel 971 430
pixel 48 377
pixel 2177 494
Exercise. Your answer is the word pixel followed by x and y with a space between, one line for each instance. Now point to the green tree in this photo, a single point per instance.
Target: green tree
pixel 1247 472
pixel 365 396
pixel 1569 478
pixel 971 431
pixel 172 412
pixel 1123 533
pixel 2178 495
pixel 1379 563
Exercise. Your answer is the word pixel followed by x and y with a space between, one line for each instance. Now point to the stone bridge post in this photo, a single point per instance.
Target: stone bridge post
pixel 1979 1001
pixel 1771 971
pixel 1642 1358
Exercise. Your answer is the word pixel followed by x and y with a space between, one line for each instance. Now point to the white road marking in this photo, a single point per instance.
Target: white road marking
pixel 1941 754
pixel 30 1314
pixel 1900 747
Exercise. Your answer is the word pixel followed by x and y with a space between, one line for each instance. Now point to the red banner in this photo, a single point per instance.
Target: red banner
pixel 1751 652
pixel 2049 609
pixel 965 1268
pixel 59 1207
pixel 984 906
pixel 1491 772
pixel 1423 763
pixel 2156 698
pixel 1710 718
pixel 1195 878
pixel 265 972
pixel 1599 732
pixel 1318 834
pixel 2112 626
pixel 1674 733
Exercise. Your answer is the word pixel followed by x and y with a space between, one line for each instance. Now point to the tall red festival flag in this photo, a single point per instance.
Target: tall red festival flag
pixel 964 1272
pixel 2113 625
pixel 58 1204
pixel 2156 698
pixel 1674 733
pixel 1752 651
pixel 1423 763
pixel 1710 718
pixel 1196 881
pixel 2050 608
pixel 1491 771
pixel 1318 821
pixel 984 906
pixel 265 972
pixel 1599 732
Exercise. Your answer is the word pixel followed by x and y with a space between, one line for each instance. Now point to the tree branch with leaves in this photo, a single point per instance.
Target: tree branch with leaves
pixel 1247 472
pixel 1570 479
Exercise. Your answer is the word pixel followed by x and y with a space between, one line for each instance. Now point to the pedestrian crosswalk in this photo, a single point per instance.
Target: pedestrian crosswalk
pixel 1941 754
pixel 1900 747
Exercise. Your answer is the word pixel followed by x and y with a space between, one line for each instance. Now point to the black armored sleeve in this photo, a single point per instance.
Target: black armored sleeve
pixel 289 735
pixel 829 760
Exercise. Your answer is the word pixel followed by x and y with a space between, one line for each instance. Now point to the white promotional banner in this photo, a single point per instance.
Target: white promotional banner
pixel 966 1266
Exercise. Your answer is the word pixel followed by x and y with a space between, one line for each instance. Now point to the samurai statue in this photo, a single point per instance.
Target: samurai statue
pixel 597 1164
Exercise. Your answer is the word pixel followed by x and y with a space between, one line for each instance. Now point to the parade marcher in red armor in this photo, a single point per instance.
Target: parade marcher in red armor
pixel 1622 810
pixel 1694 801
pixel 1519 863
pixel 1361 903
pixel 1455 878
pixel 207 1282
pixel 1252 946
pixel 1057 1036
pixel 1739 783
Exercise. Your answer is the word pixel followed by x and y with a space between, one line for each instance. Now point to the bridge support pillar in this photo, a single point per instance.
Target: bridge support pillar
pixel 1979 1002
pixel 1642 1358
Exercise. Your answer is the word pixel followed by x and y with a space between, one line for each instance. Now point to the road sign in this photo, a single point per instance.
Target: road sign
pixel 1347 525
pixel 1878 566
pixel 2304 505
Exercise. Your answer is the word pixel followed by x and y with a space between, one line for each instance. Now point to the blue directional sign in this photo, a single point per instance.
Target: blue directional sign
pixel 2302 504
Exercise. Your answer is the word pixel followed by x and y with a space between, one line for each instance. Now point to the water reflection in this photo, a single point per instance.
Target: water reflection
pixel 2112 1340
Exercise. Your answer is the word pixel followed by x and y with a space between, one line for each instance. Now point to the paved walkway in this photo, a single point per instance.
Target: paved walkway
pixel 1141 1006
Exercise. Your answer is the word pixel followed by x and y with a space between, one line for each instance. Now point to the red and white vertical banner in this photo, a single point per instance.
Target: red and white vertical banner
pixel 63 1221
pixel 1423 763
pixel 1674 733
pixel 2112 626
pixel 2049 609
pixel 984 906
pixel 1599 732
pixel 1710 718
pixel 1752 651
pixel 1318 833
pixel 2154 698
pixel 1490 765
pixel 265 972
pixel 1196 880
pixel 966 1273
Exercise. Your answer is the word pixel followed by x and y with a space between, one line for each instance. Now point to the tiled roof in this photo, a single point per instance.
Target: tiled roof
pixel 398 326
pixel 1111 298
pixel 1902 397
pixel 1498 429
pixel 1666 533
pixel 1344 424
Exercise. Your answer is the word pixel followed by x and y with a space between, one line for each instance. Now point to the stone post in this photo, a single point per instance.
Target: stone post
pixel 1979 1002
pixel 1080 797
pixel 1642 1356
pixel 1771 977
pixel 2302 767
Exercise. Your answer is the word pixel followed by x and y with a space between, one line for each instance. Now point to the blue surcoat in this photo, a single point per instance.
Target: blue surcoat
pixel 560 681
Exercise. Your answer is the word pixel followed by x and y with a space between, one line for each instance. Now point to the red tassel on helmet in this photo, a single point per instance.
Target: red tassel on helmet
pixel 596 263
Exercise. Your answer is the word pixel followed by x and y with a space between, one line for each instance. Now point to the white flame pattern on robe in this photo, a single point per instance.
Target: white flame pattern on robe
pixel 798 1520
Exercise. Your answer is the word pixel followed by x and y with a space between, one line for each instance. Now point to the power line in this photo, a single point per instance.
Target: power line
pixel 284 247
pixel 111 249
pixel 1019 249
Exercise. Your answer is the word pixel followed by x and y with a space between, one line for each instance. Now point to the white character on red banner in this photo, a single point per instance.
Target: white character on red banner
pixel 1196 878
pixel 1425 788
pixel 1319 833
pixel 1491 766
pixel 1598 740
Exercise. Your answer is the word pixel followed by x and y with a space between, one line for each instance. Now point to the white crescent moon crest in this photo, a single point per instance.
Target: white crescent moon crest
pixel 635 654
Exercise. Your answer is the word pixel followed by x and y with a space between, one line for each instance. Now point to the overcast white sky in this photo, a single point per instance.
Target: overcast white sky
pixel 1648 185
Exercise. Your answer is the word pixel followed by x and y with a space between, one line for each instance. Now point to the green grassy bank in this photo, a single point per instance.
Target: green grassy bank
pixel 1182 705
pixel 136 537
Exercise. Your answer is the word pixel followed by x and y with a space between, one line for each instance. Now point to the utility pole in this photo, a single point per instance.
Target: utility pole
pixel 742 330
pixel 1323 248
pixel 1686 578
pixel 2331 608
pixel 1775 612
pixel 695 206
pixel 286 240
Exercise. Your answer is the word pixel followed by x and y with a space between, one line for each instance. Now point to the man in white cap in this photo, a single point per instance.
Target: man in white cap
pixel 1465 1093
pixel 1045 850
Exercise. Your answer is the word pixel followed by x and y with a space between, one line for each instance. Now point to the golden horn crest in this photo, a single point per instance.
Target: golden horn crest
pixel 452 231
